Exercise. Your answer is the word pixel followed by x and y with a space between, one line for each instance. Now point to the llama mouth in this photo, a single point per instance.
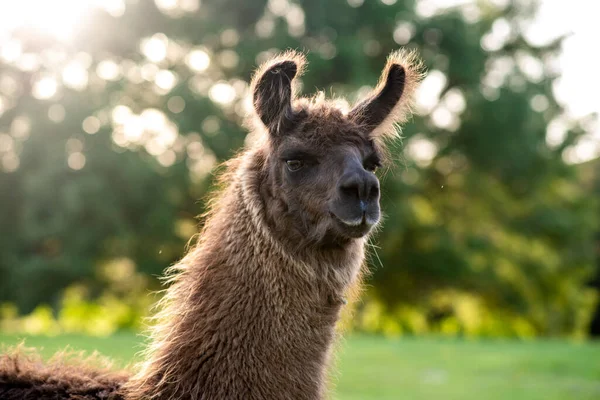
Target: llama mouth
pixel 355 228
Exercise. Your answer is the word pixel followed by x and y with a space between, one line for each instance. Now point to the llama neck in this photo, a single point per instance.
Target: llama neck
pixel 244 318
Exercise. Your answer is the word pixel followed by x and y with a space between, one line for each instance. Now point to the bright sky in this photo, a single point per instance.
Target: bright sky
pixel 579 85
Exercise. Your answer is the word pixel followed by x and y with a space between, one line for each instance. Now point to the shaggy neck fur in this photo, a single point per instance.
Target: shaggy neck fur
pixel 247 316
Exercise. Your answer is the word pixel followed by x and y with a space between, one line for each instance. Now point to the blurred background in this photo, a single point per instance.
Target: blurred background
pixel 115 113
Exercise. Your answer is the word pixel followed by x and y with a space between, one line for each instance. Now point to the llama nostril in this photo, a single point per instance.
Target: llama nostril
pixel 359 186
pixel 350 189
pixel 374 193
pixel 349 192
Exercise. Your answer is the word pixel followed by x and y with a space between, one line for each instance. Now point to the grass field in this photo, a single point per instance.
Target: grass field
pixel 415 369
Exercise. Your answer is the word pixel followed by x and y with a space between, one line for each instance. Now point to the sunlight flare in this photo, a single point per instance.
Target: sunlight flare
pixel 59 18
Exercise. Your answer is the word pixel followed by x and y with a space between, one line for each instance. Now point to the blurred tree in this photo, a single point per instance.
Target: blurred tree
pixel 590 173
pixel 108 141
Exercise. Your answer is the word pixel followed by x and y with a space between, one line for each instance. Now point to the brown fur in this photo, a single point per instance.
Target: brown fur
pixel 67 375
pixel 250 311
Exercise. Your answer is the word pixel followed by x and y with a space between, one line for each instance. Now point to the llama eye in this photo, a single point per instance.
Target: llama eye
pixel 372 162
pixel 371 167
pixel 294 165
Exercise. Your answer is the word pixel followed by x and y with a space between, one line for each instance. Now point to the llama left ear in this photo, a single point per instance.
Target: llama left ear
pixel 273 90
pixel 389 104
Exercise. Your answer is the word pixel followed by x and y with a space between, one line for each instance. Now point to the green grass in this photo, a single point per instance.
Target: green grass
pixel 377 368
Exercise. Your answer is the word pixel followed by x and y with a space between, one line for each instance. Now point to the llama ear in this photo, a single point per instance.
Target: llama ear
pixel 389 104
pixel 273 90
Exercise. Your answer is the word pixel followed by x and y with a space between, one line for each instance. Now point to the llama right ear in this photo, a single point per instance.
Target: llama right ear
pixel 273 90
pixel 389 104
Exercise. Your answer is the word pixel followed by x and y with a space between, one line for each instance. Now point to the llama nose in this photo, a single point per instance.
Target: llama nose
pixel 359 186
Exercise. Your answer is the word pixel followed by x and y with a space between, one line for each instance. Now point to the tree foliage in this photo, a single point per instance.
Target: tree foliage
pixel 108 141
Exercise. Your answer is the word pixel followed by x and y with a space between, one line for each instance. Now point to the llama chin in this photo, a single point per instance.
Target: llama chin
pixel 250 311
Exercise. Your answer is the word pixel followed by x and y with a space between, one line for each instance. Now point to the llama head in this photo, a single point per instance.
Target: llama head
pixel 322 156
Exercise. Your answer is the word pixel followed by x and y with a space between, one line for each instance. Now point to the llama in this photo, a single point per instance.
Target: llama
pixel 250 311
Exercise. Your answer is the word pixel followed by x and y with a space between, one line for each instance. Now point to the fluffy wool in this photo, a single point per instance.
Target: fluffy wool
pixel 243 318
pixel 67 375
